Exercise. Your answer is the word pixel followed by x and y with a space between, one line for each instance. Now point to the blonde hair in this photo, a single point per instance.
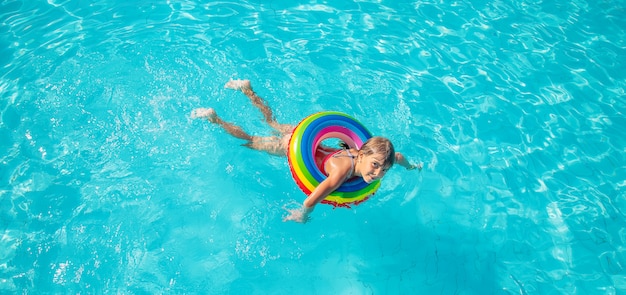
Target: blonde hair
pixel 380 145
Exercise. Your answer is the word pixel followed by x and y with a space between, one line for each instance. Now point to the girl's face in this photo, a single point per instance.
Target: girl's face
pixel 372 167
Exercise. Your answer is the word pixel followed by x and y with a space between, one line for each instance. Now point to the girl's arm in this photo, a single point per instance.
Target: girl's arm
pixel 326 187
pixel 402 161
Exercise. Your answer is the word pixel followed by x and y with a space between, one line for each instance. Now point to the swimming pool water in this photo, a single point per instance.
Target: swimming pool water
pixel 516 109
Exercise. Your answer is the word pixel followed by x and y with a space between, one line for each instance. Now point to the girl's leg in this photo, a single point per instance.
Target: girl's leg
pixel 245 87
pixel 212 117
pixel 272 145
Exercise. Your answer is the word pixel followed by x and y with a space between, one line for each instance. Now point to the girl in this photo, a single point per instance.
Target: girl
pixel 371 162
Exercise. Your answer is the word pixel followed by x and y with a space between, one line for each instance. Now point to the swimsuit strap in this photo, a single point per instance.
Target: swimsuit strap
pixel 338 154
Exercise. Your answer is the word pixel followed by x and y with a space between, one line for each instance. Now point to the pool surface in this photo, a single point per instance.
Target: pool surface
pixel 515 108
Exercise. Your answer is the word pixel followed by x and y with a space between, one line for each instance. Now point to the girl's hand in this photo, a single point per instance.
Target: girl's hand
pixel 300 215
pixel 415 166
pixel 402 161
pixel 297 215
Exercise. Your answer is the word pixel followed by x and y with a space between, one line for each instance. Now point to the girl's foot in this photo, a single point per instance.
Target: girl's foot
pixel 208 114
pixel 238 85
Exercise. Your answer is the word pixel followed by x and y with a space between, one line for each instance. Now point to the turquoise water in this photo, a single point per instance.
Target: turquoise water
pixel 515 108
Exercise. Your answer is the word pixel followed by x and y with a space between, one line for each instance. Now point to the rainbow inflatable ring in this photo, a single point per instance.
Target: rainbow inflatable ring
pixel 307 136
